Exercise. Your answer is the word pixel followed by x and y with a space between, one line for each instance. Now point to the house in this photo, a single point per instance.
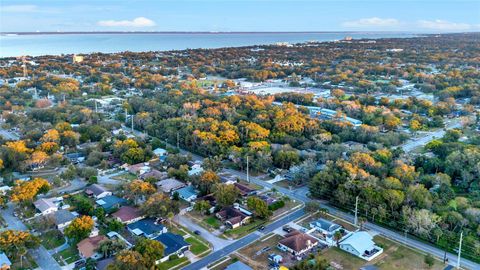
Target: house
pixel 104 263
pixel 128 214
pixel 169 185
pixel 88 246
pixel 174 245
pixel 159 152
pixel 139 168
pixel 297 243
pixel 244 190
pixel 45 206
pixel 63 218
pixel 147 227
pixel 325 227
pixel 156 174
pixel 196 169
pixel 75 158
pixel 187 193
pixel 233 217
pixel 238 265
pixel 97 191
pixel 110 203
pixel 5 263
pixel 361 245
pixel 275 258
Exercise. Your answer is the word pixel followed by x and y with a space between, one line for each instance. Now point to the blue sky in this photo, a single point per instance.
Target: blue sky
pixel 237 15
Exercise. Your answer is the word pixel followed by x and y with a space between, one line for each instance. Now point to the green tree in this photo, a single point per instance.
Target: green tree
pixel 151 250
pixel 225 195
pixel 259 207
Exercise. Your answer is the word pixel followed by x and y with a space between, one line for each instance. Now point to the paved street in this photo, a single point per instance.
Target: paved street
pixel 417 142
pixel 8 135
pixel 217 242
pixel 41 255
pixel 242 242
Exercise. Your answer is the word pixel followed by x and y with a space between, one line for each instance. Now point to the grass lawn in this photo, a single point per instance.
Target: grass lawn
pixel 197 246
pixel 395 256
pixel 125 177
pixel 52 239
pixel 172 263
pixel 70 255
pixel 27 263
pixel 256 254
pixel 244 230
pixel 212 221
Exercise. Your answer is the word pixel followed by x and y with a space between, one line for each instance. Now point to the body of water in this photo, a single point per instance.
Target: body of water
pixel 55 44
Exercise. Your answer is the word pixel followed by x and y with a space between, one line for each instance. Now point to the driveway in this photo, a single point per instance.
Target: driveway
pixel 217 242
pixel 107 179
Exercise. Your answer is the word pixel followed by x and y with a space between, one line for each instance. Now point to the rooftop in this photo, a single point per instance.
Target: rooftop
pixel 146 226
pixel 172 242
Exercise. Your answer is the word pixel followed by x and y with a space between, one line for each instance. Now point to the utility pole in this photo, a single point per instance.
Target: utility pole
pixel 126 115
pixel 459 250
pixel 355 221
pixel 248 175
pixel 96 107
pixel 132 123
pixel 178 140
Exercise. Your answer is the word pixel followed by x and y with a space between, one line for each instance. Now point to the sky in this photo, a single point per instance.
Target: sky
pixel 428 16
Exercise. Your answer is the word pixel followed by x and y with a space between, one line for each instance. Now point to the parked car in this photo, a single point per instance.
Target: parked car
pixel 287 229
pixel 197 232
pixel 261 228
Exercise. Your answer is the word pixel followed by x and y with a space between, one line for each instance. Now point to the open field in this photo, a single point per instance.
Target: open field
pixel 256 254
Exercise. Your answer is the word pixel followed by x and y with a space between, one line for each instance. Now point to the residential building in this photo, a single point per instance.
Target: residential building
pixel 110 203
pixel 244 190
pixel 147 227
pixel 361 245
pixel 325 227
pixel 233 217
pixel 196 169
pixel 128 214
pixel 169 185
pixel 97 191
pixel 88 246
pixel 187 193
pixel 153 173
pixel 159 152
pixel 45 206
pixel 238 265
pixel 174 245
pixel 297 243
pixel 63 218
pixel 5 263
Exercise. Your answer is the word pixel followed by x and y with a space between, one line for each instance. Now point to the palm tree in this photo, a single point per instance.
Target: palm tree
pixel 337 236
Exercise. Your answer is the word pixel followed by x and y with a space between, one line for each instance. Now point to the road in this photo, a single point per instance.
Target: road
pixel 412 144
pixel 242 242
pixel 40 254
pixel 8 135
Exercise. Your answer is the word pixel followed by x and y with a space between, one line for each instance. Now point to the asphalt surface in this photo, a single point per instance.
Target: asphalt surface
pixel 217 242
pixel 242 242
pixel 417 142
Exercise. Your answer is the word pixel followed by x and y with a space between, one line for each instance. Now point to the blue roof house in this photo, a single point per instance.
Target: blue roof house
pixel 111 203
pixel 187 193
pixel 174 244
pixel 147 227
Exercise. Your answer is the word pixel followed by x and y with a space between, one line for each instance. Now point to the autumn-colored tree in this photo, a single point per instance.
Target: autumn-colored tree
pixel 25 191
pixel 159 205
pixel 38 158
pixel 259 207
pixel 127 260
pixel 51 135
pixel 207 180
pixel 225 195
pixel 80 228
pixel 151 251
pixel 14 243
pixel 138 189
pixel 49 147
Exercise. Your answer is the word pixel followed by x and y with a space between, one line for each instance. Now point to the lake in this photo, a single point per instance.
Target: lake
pixel 55 44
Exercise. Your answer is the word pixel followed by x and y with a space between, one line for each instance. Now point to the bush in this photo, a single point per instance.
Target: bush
pixel 429 260
pixel 276 205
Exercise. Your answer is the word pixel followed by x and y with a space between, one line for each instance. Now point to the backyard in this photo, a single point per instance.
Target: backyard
pixel 52 239
pixel 67 256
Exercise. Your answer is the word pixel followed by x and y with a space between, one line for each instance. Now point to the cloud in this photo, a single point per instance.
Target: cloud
pixel 137 22
pixel 443 25
pixel 373 21
pixel 19 8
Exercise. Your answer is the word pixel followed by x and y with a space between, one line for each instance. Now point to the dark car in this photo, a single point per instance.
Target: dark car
pixel 261 228
pixel 287 229
pixel 197 232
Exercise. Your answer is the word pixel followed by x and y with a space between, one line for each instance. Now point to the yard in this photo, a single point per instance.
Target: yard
pixel 173 263
pixel 67 256
pixel 125 176
pixel 256 254
pixel 395 256
pixel 27 262
pixel 52 239
pixel 197 247
pixel 245 229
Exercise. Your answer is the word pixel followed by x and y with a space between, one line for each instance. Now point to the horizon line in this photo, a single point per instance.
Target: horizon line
pixel 192 32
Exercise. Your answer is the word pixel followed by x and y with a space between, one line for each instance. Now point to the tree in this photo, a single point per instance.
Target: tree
pixel 259 207
pixel 128 259
pixel 429 260
pixel 316 263
pixel 80 228
pixel 285 158
pixel 421 222
pixel 109 247
pixel 202 206
pixel 212 163
pixel 312 206
pixel 225 195
pixel 159 205
pixel 151 250
pixel 25 191
pixel 206 181
pixel 138 189
pixel 15 243
pixel 337 236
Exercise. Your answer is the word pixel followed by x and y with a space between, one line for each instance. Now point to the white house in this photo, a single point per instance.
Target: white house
pixel 45 206
pixel 361 245
pixel 159 152
pixel 97 191
pixel 195 170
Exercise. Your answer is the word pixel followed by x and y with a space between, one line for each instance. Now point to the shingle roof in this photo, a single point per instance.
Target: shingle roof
pixel 169 184
pixel 88 245
pixel 326 225
pixel 108 202
pixel 187 192
pixel 297 241
pixel 63 216
pixel 146 226
pixel 96 189
pixel 360 241
pixel 127 213
pixel 44 204
pixel 172 242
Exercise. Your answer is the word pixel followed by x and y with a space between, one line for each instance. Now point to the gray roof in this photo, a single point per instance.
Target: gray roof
pixel 360 241
pixel 96 189
pixel 169 184
pixel 326 225
pixel 63 216
pixel 44 204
